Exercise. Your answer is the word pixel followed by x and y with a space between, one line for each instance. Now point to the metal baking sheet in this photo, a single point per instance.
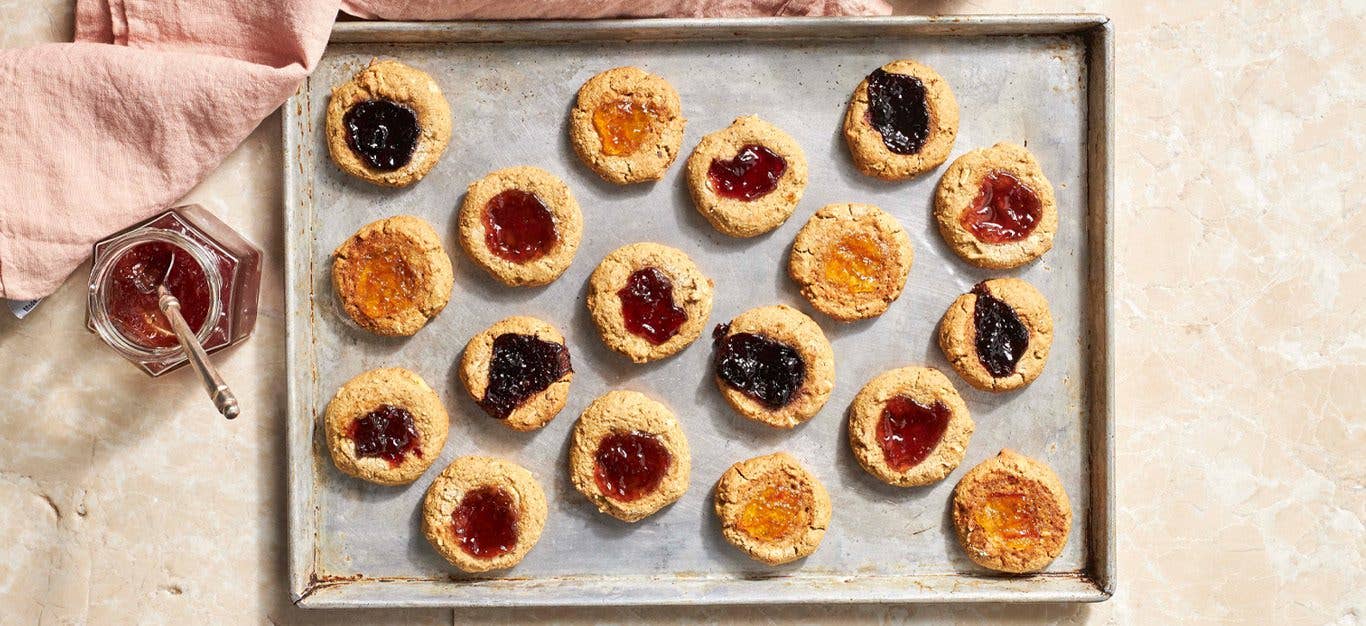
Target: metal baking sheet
pixel 1040 80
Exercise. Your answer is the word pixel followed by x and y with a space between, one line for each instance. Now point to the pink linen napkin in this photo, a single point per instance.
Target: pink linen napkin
pixel 581 9
pixel 101 133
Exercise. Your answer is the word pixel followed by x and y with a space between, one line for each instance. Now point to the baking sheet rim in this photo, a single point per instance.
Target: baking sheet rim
pixel 310 589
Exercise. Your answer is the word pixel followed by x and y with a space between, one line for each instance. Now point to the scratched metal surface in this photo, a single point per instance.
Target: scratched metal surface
pixel 356 544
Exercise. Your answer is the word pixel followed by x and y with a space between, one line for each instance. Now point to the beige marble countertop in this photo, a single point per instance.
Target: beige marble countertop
pixel 1241 298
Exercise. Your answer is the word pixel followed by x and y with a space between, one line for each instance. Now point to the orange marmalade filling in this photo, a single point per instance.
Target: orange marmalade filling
pixel 775 513
pixel 1007 516
pixel 385 283
pixel 623 125
pixel 856 263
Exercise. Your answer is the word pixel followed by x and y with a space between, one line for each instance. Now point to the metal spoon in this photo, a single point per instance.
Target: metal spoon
pixel 223 398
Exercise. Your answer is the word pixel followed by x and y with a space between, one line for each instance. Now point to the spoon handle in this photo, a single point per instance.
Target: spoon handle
pixel 222 397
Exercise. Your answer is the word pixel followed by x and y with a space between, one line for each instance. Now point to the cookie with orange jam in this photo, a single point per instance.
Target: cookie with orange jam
pixel 627 125
pixel 851 260
pixel 996 208
pixel 393 275
pixel 1011 514
pixel 772 509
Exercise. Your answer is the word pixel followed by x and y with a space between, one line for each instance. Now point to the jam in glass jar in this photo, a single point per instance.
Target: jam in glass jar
pixel 214 272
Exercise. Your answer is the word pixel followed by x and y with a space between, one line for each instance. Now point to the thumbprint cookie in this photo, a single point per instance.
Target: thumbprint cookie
pixel 995 208
pixel 772 509
pixel 518 371
pixel 649 301
pixel 851 260
pixel 747 178
pixel 385 426
pixel 388 125
pixel 483 514
pixel 997 336
pixel 393 275
pixel 901 121
pixel 629 456
pixel 774 365
pixel 521 225
pixel 909 427
pixel 1011 513
pixel 627 125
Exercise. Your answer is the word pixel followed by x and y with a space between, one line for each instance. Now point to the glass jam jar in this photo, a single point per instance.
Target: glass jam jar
pixel 209 267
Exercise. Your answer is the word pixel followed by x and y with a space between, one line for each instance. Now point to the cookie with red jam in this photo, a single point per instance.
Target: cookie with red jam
pixel 629 456
pixel 909 427
pixel 747 178
pixel 386 426
pixel 649 301
pixel 483 513
pixel 521 225
pixel 995 208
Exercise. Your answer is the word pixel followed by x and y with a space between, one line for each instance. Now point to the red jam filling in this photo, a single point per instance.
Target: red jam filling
pixel 132 300
pixel 387 432
pixel 518 227
pixel 485 522
pixel 630 465
pixel 752 174
pixel 647 304
pixel 909 431
pixel 1005 210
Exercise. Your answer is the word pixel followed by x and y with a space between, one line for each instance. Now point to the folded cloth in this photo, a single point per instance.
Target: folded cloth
pixel 580 9
pixel 109 130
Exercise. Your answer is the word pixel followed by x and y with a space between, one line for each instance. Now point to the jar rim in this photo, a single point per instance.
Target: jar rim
pixel 101 274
